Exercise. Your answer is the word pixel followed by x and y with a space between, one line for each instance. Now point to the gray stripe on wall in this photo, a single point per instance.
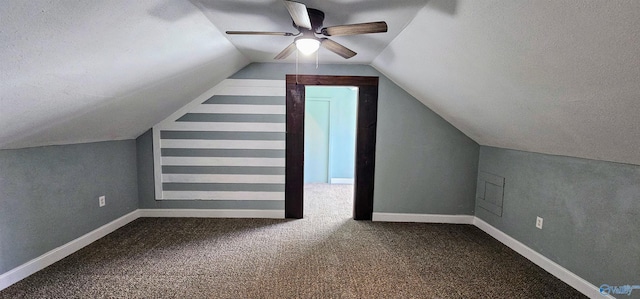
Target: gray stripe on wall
pixel 222 187
pixel 223 170
pixel 199 138
pixel 246 100
pixel 246 153
pixel 233 118
pixel 222 135
pixel 224 204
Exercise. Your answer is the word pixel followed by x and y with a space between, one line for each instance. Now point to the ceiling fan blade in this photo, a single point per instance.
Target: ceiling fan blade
pixel 299 14
pixel 353 29
pixel 260 33
pixel 337 48
pixel 286 52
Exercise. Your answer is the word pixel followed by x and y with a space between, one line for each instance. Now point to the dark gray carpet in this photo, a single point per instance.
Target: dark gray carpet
pixel 325 255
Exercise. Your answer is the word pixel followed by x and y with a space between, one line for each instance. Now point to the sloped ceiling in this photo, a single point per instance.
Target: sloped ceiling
pixel 82 71
pixel 558 77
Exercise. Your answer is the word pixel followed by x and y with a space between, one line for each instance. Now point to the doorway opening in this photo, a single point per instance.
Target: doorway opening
pixel 329 150
pixel 366 121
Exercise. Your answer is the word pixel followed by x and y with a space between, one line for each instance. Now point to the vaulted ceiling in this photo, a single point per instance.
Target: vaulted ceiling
pixel 558 77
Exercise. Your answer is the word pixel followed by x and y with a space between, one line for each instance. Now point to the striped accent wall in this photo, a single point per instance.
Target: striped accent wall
pixel 228 144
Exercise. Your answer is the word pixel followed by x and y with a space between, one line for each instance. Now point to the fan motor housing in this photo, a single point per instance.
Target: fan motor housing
pixel 316 17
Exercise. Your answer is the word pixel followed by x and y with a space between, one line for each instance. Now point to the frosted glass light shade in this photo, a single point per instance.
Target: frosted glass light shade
pixel 307 45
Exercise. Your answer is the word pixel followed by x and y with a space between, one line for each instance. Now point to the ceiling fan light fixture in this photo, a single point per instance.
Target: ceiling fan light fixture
pixel 309 24
pixel 307 45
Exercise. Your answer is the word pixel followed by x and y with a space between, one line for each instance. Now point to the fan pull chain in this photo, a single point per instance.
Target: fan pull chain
pixel 317 59
pixel 297 66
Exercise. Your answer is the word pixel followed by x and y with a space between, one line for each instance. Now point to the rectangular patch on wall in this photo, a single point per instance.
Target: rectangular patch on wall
pixel 490 192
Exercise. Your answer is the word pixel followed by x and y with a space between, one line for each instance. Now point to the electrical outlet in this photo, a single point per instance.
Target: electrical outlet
pixel 539 222
pixel 102 201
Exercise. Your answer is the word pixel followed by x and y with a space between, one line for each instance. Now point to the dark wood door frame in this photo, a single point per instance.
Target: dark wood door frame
pixel 365 141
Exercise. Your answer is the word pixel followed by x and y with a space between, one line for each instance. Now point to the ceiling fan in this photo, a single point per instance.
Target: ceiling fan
pixel 308 22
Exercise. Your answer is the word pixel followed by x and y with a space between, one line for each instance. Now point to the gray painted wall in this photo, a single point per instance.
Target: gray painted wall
pixel 591 211
pixel 423 163
pixel 49 195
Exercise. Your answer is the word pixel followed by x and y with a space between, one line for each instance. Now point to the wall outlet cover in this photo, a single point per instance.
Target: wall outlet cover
pixel 102 201
pixel 539 222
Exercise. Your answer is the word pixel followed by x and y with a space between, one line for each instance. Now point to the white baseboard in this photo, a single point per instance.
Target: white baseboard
pixel 41 262
pixel 197 213
pixel 344 181
pixel 426 218
pixel 548 265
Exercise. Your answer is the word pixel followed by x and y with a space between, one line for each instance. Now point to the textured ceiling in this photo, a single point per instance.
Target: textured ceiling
pixel 558 77
pixel 272 15
pixel 81 71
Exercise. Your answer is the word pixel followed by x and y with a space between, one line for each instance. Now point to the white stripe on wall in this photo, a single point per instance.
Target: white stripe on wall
pixel 222 161
pixel 157 162
pixel 223 178
pixel 229 87
pixel 223 126
pixel 272 88
pixel 222 144
pixel 250 87
pixel 241 109
pixel 254 83
pixel 207 213
pixel 252 91
pixel 222 195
